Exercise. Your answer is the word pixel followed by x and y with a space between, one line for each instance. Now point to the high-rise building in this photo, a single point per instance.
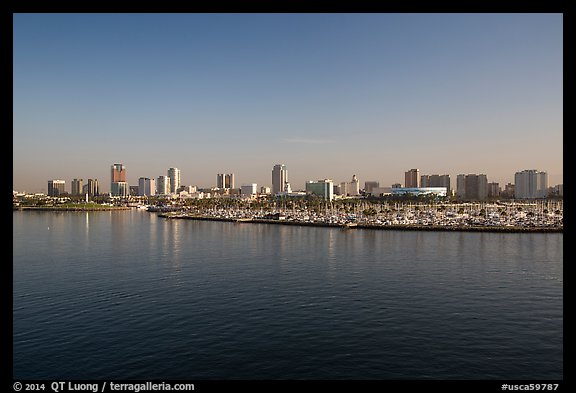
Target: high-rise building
pixel 229 180
pixel 354 186
pixel 472 187
pixel 225 180
pixel 461 186
pixel 120 188
pixel 118 185
pixel 323 188
pixel 56 187
pixel 76 187
pixel 118 173
pixel 493 189
pixel 146 186
pixel 279 178
pixel 93 187
pixel 174 175
pixel 530 184
pixel 412 178
pixel 163 185
pixel 220 180
pixel 370 185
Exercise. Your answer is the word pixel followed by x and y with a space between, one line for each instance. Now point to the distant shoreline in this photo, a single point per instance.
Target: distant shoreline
pixel 75 209
pixel 401 227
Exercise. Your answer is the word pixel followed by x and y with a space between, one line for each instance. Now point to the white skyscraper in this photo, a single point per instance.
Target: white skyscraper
pixel 146 186
pixel 174 175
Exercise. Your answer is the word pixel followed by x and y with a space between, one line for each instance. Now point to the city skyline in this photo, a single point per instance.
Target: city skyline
pixel 328 95
pixel 531 181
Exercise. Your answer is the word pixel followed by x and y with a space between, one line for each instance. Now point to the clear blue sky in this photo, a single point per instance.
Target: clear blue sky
pixel 329 95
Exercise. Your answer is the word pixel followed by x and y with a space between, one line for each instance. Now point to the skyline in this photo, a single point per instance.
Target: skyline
pixel 227 180
pixel 328 95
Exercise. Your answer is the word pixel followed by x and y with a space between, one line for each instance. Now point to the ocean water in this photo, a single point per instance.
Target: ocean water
pixel 129 295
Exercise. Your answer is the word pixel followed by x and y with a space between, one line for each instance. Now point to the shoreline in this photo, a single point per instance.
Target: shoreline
pixel 403 227
pixel 69 209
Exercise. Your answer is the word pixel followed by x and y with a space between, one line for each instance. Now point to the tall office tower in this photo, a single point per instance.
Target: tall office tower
pixel 279 178
pixel 118 173
pixel 530 184
pixel 118 185
pixel 146 186
pixel 93 187
pixel 412 178
pixel 220 180
pixel 163 185
pixel 76 186
pixel 472 187
pixel 225 180
pixel 229 180
pixel 174 175
pixel 370 185
pixel 354 186
pixel 56 187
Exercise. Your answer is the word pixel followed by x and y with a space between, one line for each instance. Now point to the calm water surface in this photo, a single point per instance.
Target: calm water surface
pixel 128 295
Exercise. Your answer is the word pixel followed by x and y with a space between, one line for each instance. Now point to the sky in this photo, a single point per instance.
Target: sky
pixel 328 95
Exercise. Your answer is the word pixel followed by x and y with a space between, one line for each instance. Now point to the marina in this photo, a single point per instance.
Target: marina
pixel 496 217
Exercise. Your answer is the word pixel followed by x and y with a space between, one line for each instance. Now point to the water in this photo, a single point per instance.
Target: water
pixel 128 295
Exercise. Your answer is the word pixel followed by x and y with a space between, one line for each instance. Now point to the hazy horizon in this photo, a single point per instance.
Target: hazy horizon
pixel 328 95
